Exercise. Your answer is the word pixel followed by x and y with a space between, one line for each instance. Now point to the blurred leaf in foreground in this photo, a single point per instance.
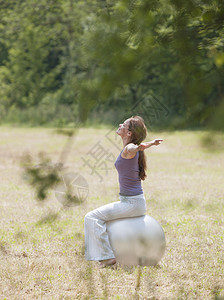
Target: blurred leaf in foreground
pixel 41 177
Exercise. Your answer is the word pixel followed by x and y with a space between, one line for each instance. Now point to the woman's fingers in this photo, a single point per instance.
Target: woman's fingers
pixel 158 141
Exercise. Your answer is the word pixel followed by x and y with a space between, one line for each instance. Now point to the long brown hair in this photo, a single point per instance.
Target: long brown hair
pixel 139 132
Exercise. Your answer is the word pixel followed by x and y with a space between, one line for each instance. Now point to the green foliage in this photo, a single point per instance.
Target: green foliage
pixel 100 55
pixel 41 177
pixel 46 176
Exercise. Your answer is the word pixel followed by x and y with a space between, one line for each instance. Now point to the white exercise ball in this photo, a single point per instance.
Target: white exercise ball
pixel 137 241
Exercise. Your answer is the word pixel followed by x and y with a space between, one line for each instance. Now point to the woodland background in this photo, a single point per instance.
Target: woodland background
pixel 65 62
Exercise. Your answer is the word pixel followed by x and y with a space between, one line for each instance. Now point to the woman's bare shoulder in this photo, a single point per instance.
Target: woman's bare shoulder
pixel 129 151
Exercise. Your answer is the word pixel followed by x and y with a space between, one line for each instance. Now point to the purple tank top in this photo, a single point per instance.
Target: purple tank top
pixel 128 171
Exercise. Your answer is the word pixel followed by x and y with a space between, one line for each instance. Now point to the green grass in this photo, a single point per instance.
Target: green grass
pixel 42 244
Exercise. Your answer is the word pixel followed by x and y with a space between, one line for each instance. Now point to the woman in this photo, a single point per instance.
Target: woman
pixel 131 167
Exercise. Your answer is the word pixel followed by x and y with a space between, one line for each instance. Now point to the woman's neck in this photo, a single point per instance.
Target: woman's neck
pixel 125 141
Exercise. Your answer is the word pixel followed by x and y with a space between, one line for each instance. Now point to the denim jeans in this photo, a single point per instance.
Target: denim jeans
pixel 97 244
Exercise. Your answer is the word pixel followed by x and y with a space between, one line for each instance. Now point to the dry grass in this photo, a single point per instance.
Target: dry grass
pixel 41 245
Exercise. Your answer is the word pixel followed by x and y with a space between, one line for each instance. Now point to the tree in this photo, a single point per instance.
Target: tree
pixel 98 52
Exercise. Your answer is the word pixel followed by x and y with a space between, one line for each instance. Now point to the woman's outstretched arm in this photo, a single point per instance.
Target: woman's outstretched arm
pixel 146 145
pixel 132 148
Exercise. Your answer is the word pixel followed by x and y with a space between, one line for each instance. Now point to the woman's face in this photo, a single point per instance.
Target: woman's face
pixel 123 129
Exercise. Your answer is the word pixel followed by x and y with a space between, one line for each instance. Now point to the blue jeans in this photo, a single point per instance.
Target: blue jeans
pixel 97 244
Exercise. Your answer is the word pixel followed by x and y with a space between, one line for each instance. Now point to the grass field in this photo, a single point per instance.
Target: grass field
pixel 42 244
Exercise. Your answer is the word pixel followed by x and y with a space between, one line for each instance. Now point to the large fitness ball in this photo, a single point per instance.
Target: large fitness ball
pixel 137 241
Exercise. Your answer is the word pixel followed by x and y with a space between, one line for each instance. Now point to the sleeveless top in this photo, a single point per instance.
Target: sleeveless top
pixel 128 171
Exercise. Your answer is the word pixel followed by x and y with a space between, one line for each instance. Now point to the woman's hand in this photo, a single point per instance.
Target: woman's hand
pixel 146 145
pixel 156 142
